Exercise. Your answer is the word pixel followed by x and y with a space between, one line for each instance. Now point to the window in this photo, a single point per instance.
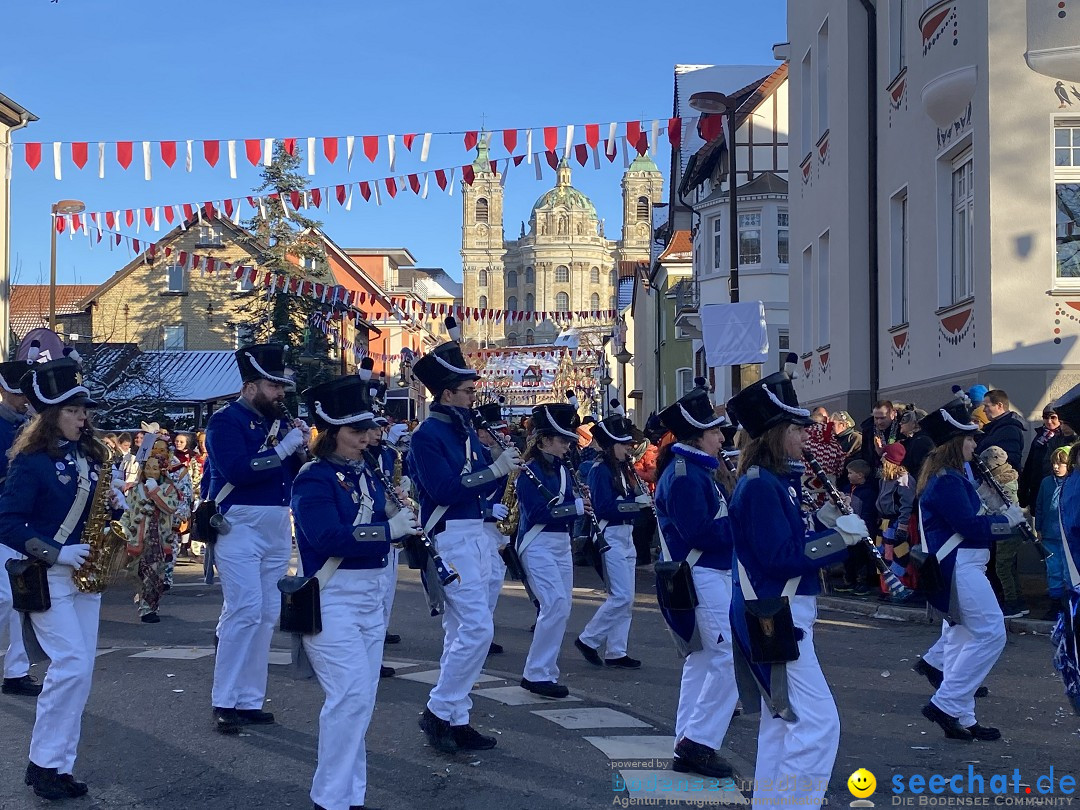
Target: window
pixel 530 303
pixel 594 302
pixel 562 302
pixel 511 303
pixel 782 236
pixel 614 305
pixel 823 289
pixel 823 78
pixel 175 278
pixel 483 302
pixel 718 243
pixel 175 338
pixel 562 273
pixel 806 84
pixel 244 283
pixel 612 277
pixel 642 209
pixel 963 228
pixel 808 298
pixel 481 278
pixel 684 381
pixel 511 278
pixel 1067 200
pixel 245 334
pixel 897 59
pixel 512 339
pixel 530 276
pixel 750 238
pixel 530 337
pixel 783 343
pixel 898 253
pixel 594 275
pixel 308 262
pixel 209 236
pixel 482 210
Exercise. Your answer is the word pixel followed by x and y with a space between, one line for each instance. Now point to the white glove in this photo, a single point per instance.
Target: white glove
pixel 292 442
pixel 499 511
pixel 828 514
pixel 304 428
pixel 405 484
pixel 74 555
pixel 579 506
pixel 507 462
pixel 1015 515
pixel 150 484
pixel 404 523
pixel 852 528
pixel 644 499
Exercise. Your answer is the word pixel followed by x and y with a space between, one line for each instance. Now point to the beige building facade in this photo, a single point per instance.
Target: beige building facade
pixel 12 118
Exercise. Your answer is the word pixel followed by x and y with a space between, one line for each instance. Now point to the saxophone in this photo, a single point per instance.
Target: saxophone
pixel 509 524
pixel 106 537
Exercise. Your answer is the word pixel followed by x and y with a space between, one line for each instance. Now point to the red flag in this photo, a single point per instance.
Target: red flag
pixel 129 217
pixel 123 153
pixel 414 183
pixel 365 190
pixel 168 152
pixel 517 159
pixel 294 197
pixel 183 257
pixel 148 215
pixel 316 197
pixel 592 134
pixel 290 146
pixel 710 127
pixel 110 219
pixel 253 150
pixel 614 149
pixel 391 186
pixel 674 132
pixel 79 153
pixel 493 165
pixel 408 139
pixel 633 130
pixel 581 151
pixel 341 195
pixel 208 209
pixel 552 158
pixel 551 138
pixel 510 139
pixel 168 214
pixel 189 211
pixel 330 148
pixel 135 245
pixel 33 155
pixel 371 147
pixel 211 151
pixel 195 259
pixel 440 178
pixel 471 137
pixel 467 174
pixel 211 264
pixel 228 207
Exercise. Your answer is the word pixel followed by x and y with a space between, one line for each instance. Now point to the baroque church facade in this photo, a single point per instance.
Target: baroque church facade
pixel 561 263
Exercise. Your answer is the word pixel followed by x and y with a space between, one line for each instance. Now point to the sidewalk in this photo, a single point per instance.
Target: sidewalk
pixel 876 609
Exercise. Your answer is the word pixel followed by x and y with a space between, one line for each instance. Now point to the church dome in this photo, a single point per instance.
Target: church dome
pixel 563 195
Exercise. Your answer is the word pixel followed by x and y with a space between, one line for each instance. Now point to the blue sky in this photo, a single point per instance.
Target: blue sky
pixel 137 70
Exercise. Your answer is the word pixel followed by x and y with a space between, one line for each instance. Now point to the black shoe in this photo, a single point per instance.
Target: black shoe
pixel 392 638
pixel 982 691
pixel 75 789
pixel 949 724
pixel 693 757
pixel 255 717
pixel 495 649
pixel 46 783
pixel 387 672
pixel 549 689
pixel 930 672
pixel 150 618
pixel 438 732
pixel 1014 610
pixel 984 732
pixel 626 662
pixel 227 721
pixel 166 587
pixel 590 654
pixel 26 685
pixel 469 739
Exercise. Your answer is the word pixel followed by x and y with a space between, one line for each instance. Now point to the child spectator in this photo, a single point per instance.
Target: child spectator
pixel 1006 550
pixel 1048 528
pixel 895 500
pixel 860 574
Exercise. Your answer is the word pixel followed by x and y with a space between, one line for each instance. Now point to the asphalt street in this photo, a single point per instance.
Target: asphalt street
pixel 148 743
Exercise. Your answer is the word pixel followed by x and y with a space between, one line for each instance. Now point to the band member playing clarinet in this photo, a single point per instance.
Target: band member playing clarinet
pixel 255 451
pixel 543 541
pixel 617 505
pixel 343 532
pixel 777 557
pixel 694 522
pixel 959 536
pixel 453 474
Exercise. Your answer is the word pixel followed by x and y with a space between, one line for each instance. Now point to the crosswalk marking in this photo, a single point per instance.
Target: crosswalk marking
pixel 590 717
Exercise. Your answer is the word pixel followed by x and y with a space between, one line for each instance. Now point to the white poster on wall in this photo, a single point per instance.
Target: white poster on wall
pixel 734 334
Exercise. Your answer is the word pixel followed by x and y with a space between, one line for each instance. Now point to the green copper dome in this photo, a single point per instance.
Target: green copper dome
pixel 564 195
pixel 643 163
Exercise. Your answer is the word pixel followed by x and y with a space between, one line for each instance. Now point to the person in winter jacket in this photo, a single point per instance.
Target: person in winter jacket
pixel 896 498
pixel 1007 549
pixel 917 444
pixel 1005 429
pixel 1048 527
pixel 1049 437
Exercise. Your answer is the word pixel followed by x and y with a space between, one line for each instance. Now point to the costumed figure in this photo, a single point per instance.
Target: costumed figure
pixel 148 524
pixel 494 510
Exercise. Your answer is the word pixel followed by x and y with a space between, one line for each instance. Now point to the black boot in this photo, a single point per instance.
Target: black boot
pixel 469 739
pixel 985 733
pixel 693 757
pixel 930 672
pixel 46 783
pixel 75 788
pixel 438 732
pixel 255 717
pixel 549 689
pixel 26 685
pixel 589 653
pixel 949 724
pixel 227 721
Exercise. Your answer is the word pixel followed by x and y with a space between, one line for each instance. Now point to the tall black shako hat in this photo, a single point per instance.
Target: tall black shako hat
pixel 949 421
pixel 342 401
pixel 56 383
pixel 556 419
pixel 263 361
pixel 1067 407
pixel 364 375
pixel 691 415
pixel 767 403
pixel 491 414
pixel 612 430
pixel 444 367
pixel 11 375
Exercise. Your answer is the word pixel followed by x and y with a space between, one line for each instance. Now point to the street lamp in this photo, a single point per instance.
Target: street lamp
pixel 622 357
pixel 62 208
pixel 722 104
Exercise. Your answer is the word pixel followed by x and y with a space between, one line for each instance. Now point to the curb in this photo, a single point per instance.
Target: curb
pixel 877 610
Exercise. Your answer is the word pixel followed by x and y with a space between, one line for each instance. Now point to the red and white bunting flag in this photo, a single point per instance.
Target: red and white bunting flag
pixel 310 156
pixel 471 138
pixel 231 154
pixel 468 174
pixel 212 151
pixel 56 159
pixel 391 150
pixel 290 146
pixel 551 138
pixel 408 139
pixel 569 141
pixel 168 152
pixel 371 147
pixel 330 149
pixel 510 137
pixel 80 153
pixel 147 175
pixel 253 150
pixel 123 153
pixel 425 147
pixel 33 155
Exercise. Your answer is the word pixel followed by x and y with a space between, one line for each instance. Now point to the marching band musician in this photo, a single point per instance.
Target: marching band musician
pixel 543 541
pixel 55 464
pixel 777 555
pixel 494 511
pixel 453 474
pixel 255 452
pixel 13 415
pixel 955 530
pixel 617 506
pixel 341 514
pixel 693 516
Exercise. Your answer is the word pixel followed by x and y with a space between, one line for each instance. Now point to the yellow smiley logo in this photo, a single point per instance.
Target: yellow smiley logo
pixel 861 783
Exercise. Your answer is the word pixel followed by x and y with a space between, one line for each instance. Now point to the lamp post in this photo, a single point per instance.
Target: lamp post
pixel 63 208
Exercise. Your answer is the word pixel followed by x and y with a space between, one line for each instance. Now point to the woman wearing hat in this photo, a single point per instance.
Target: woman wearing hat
pixel 543 541
pixel 344 527
pixel 694 525
pixel 55 464
pixel 779 550
pixel 955 532
pixel 617 505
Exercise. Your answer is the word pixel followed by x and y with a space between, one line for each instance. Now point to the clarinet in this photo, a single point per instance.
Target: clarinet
pixel 446 574
pixel 505 444
pixel 897 589
pixel 1024 528
pixel 596 534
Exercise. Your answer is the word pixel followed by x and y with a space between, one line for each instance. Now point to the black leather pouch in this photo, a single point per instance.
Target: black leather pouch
pixel 773 638
pixel 29 585
pixel 301 611
pixel 675 585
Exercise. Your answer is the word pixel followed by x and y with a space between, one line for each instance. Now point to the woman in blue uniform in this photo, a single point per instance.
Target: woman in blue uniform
pixel 694 525
pixel 55 464
pixel 617 505
pixel 954 530
pixel 343 532
pixel 544 541
pixel 778 550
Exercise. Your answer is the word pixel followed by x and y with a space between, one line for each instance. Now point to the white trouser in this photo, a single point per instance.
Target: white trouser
pixel 16 664
pixel 346 657
pixel 974 644
pixel 708 694
pixel 795 760
pixel 467 627
pixel 610 626
pixel 549 565
pixel 252 557
pixel 935 656
pixel 498 567
pixel 390 574
pixel 67 633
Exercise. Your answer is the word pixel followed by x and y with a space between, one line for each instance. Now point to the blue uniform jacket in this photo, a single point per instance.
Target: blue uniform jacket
pixel 608 505
pixel 534 506
pixel 688 501
pixel 1070 518
pixel 325 498
pixel 437 462
pixel 235 436
pixel 10 424
pixel 37 494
